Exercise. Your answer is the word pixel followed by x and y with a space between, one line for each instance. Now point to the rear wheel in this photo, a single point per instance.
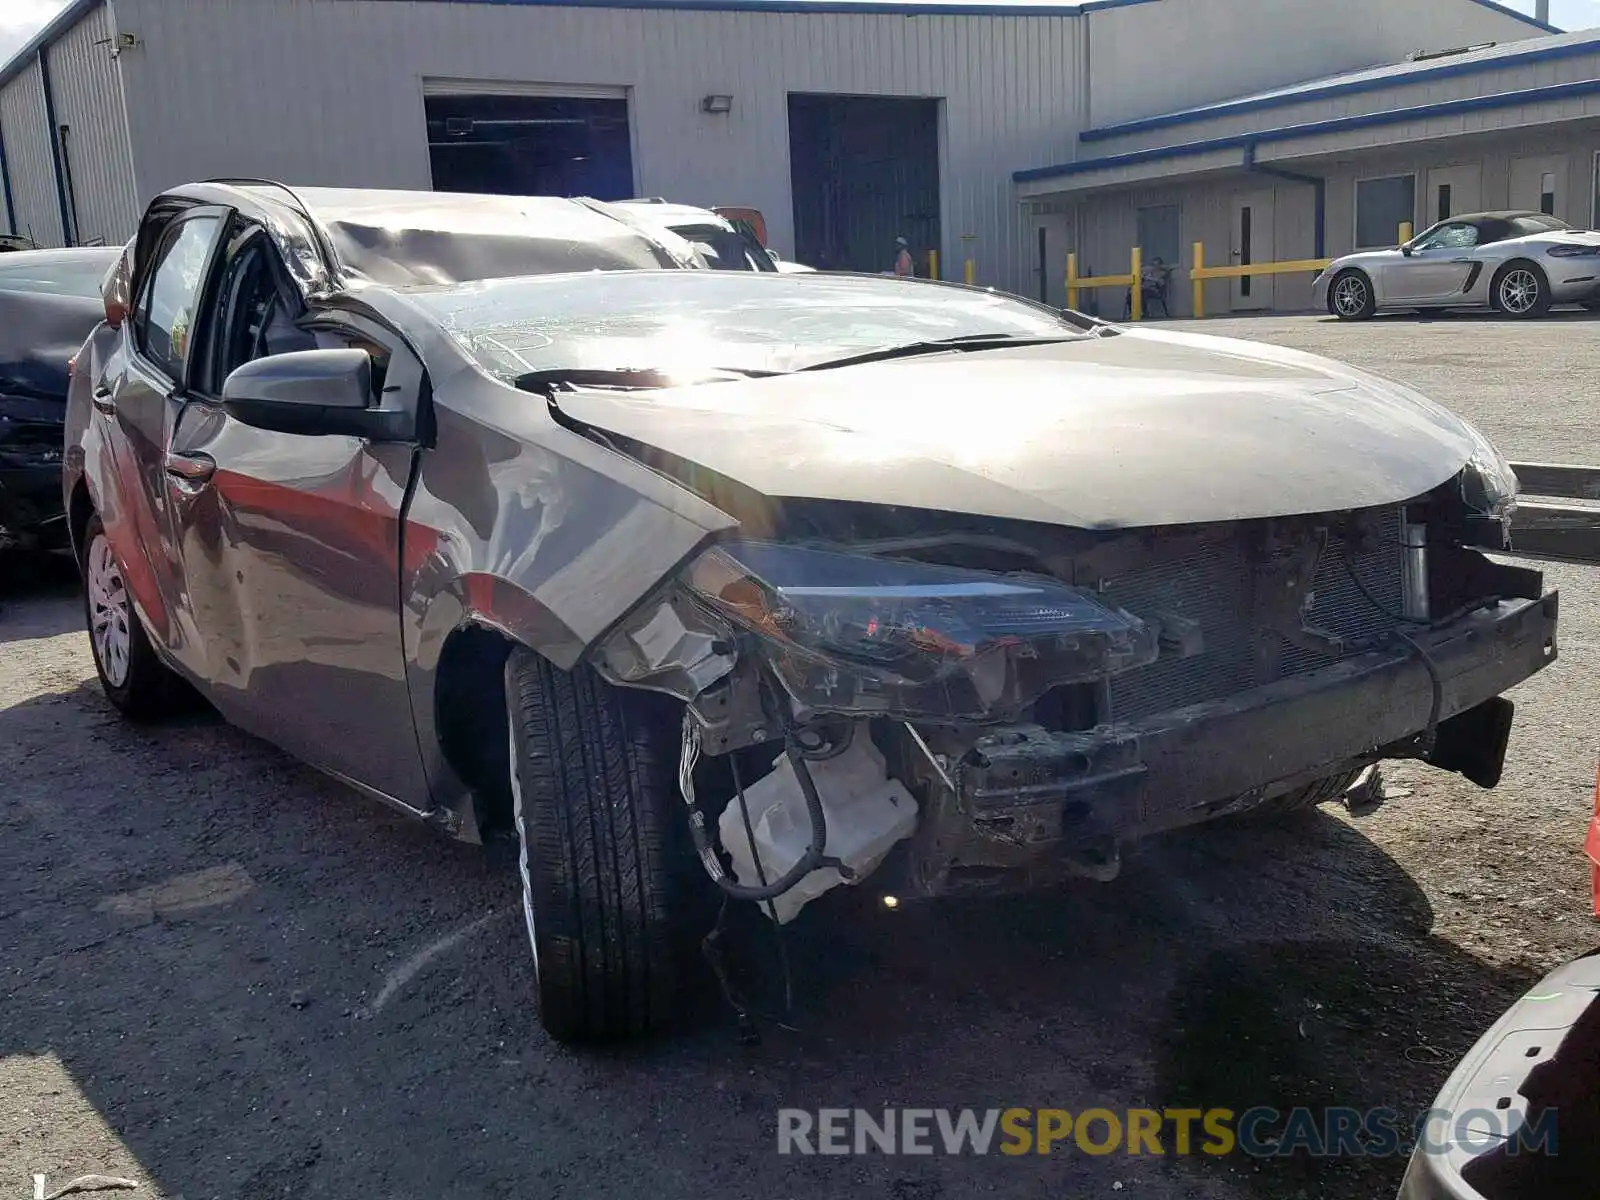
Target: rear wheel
pixel 1521 290
pixel 1350 297
pixel 137 682
pixel 604 879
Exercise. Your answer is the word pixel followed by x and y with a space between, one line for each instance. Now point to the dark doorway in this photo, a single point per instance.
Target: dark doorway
pixel 530 146
pixel 865 170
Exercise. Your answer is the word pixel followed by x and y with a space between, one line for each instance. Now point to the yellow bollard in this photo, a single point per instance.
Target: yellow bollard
pixel 969 272
pixel 1199 284
pixel 1072 280
pixel 933 264
pixel 1136 292
pixel 1405 232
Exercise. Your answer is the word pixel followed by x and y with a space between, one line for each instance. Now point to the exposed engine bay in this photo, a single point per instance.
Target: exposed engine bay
pixel 994 706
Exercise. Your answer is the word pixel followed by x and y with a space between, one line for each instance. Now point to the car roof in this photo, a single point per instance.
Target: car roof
pixel 406 238
pixel 27 259
pixel 668 213
pixel 1502 215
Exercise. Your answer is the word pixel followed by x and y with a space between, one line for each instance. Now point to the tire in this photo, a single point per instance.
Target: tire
pixel 605 871
pixel 1350 296
pixel 1304 799
pixel 1520 290
pixel 134 679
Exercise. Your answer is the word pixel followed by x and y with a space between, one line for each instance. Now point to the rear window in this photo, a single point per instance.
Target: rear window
pixel 1532 225
pixel 56 277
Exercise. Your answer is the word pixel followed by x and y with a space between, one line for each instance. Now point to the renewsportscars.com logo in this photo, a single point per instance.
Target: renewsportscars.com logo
pixel 1260 1132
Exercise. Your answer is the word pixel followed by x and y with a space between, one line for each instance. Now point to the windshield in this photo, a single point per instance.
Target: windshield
pixel 723 249
pixel 693 322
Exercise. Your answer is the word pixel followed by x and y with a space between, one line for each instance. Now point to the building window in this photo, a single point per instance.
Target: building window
pixel 1547 193
pixel 1381 206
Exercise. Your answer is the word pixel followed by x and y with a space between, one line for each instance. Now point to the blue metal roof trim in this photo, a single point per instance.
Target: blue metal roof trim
pixel 902 8
pixel 1344 86
pixel 1507 10
pixel 1283 133
pixel 63 21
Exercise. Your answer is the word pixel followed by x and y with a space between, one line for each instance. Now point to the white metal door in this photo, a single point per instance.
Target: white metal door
pixel 1539 184
pixel 1452 192
pixel 1252 243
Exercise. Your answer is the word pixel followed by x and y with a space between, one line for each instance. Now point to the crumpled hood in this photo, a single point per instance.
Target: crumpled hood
pixel 1140 429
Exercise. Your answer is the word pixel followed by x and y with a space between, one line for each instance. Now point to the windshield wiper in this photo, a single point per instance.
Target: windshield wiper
pixel 964 344
pixel 554 378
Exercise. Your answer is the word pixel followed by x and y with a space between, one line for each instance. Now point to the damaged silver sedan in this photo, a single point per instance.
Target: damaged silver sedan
pixel 792 583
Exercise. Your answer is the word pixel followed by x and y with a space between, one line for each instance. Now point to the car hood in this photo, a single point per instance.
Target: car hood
pixel 1139 429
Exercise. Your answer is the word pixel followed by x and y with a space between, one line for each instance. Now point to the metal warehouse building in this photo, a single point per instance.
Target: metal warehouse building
pixel 1009 133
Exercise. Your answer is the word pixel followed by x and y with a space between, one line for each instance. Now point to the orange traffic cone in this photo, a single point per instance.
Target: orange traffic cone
pixel 1591 844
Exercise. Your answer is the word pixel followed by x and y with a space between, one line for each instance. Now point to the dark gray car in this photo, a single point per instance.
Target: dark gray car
pixel 788 582
pixel 49 301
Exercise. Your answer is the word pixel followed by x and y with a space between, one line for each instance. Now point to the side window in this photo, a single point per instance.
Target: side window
pixel 170 303
pixel 259 310
pixel 1451 237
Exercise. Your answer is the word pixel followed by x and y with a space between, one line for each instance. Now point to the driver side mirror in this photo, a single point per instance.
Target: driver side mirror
pixel 1407 250
pixel 313 392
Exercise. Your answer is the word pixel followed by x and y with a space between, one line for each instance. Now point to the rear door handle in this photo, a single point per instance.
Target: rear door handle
pixel 192 468
pixel 103 403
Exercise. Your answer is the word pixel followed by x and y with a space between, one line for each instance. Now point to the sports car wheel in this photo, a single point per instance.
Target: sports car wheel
pixel 132 677
pixel 1350 298
pixel 1521 290
pixel 604 878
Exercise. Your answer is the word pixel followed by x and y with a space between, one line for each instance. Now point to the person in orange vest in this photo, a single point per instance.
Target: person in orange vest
pixel 903 266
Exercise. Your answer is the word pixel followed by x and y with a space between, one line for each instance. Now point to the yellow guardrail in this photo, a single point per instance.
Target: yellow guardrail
pixel 1198 274
pixel 1077 283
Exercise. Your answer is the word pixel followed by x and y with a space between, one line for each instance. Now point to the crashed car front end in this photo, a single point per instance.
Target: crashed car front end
pixel 1048 697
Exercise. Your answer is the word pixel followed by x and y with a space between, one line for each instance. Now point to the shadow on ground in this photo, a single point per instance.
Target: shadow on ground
pixel 248 975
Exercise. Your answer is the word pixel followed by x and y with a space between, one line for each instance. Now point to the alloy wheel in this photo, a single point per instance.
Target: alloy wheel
pixel 1519 291
pixel 110 612
pixel 1350 296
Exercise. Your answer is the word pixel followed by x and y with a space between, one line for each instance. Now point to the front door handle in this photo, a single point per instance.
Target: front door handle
pixel 102 401
pixel 192 468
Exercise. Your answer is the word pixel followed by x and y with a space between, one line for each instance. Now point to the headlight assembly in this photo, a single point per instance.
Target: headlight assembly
pixel 849 633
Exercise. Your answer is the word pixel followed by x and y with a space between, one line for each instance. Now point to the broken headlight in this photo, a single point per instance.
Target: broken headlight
pixel 849 633
pixel 1489 491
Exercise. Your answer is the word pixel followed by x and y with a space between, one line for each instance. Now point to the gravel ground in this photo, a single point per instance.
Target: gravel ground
pixel 224 975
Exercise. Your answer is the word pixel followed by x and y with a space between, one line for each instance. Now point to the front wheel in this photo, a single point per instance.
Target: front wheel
pixel 604 879
pixel 1350 296
pixel 1304 799
pixel 1521 290
pixel 133 678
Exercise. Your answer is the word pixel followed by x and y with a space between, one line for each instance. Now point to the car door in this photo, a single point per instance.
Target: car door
pixel 1439 265
pixel 290 543
pixel 139 400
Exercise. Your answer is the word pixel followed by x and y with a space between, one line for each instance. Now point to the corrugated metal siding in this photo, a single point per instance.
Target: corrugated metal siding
pixel 28 158
pixel 1201 51
pixel 330 92
pixel 88 97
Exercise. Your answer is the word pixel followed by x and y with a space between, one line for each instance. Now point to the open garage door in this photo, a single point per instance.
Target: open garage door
pixel 864 171
pixel 527 140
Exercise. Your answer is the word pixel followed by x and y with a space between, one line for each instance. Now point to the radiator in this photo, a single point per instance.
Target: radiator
pixel 1215 587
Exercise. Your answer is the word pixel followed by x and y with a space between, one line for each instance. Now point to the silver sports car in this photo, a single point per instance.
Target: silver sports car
pixel 1518 263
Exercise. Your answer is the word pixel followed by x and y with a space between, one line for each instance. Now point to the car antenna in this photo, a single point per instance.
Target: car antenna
pixel 324 249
